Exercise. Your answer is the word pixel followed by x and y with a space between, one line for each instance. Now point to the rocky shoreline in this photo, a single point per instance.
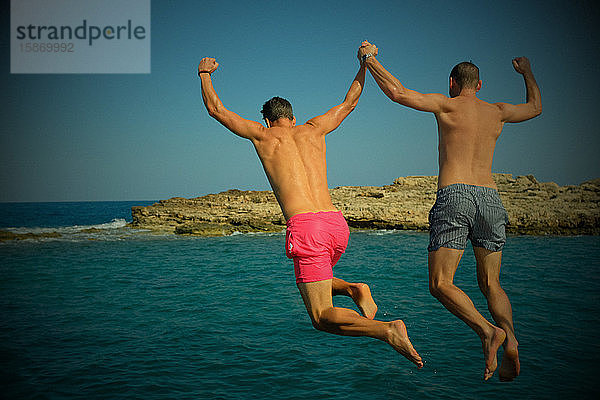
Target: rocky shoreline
pixel 534 208
pixel 7 236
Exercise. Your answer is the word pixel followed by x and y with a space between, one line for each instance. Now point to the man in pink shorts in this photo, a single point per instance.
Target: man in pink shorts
pixel 293 157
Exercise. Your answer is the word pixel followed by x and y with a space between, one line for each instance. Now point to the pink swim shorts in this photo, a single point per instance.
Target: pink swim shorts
pixel 316 241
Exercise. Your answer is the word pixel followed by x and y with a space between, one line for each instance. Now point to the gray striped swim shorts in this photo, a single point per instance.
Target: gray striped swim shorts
pixel 464 212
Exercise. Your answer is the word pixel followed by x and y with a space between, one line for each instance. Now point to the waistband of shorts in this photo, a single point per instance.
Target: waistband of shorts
pixel 464 187
pixel 307 216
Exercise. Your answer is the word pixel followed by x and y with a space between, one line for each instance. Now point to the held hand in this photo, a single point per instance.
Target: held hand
pixel 208 65
pixel 370 48
pixel 521 65
pixel 367 48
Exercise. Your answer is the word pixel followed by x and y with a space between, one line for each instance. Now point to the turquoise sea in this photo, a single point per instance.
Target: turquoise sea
pixel 111 313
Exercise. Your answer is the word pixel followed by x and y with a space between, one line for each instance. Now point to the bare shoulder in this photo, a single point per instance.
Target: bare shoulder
pixel 256 132
pixel 309 128
pixel 438 97
pixel 445 104
pixel 242 127
pixel 506 110
pixel 438 103
pixel 500 106
pixel 491 111
pixel 486 104
pixel 313 125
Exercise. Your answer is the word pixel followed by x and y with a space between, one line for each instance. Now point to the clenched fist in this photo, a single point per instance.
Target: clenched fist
pixel 521 65
pixel 207 65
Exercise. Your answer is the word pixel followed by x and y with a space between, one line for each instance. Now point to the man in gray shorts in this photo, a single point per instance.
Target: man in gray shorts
pixel 468 205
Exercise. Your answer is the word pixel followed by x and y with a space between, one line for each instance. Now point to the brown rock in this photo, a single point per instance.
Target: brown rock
pixel 6 235
pixel 533 208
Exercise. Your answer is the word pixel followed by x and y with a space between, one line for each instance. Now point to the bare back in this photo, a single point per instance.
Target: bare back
pixel 468 129
pixel 294 160
pixel 293 157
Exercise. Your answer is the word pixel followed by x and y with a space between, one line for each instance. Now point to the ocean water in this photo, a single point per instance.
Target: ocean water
pixel 112 313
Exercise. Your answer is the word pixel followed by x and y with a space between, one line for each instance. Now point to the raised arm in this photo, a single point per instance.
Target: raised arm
pixel 242 127
pixel 533 106
pixel 392 87
pixel 333 118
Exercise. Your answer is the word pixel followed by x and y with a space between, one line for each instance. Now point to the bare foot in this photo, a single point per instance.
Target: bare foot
pixel 490 349
pixel 510 367
pixel 398 339
pixel 361 294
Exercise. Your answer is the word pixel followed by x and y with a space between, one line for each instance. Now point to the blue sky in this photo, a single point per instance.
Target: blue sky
pixel 146 137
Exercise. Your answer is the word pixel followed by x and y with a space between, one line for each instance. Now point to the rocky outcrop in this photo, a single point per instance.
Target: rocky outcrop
pixel 6 235
pixel 534 208
pixel 213 215
pixel 539 208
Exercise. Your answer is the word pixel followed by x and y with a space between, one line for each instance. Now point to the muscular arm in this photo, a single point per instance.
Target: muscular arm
pixel 236 124
pixel 393 89
pixel 334 117
pixel 533 106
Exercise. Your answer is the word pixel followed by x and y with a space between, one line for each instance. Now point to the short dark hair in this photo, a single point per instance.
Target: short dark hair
pixel 465 74
pixel 277 108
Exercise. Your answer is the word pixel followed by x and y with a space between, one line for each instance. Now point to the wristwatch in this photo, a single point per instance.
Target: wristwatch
pixel 365 56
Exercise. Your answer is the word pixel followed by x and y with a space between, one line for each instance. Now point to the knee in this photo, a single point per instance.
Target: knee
pixel 435 288
pixel 488 286
pixel 319 323
pixel 324 321
pixel 316 319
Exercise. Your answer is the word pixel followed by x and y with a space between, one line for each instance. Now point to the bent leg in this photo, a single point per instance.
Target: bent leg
pixel 442 267
pixel 488 277
pixel 345 322
pixel 360 294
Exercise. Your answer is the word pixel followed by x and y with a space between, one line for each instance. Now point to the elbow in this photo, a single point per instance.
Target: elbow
pixel 352 106
pixel 213 111
pixel 395 94
pixel 395 98
pixel 351 101
pixel 535 110
pixel 349 106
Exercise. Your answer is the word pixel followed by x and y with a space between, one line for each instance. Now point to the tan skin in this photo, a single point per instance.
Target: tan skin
pixel 468 129
pixel 294 159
